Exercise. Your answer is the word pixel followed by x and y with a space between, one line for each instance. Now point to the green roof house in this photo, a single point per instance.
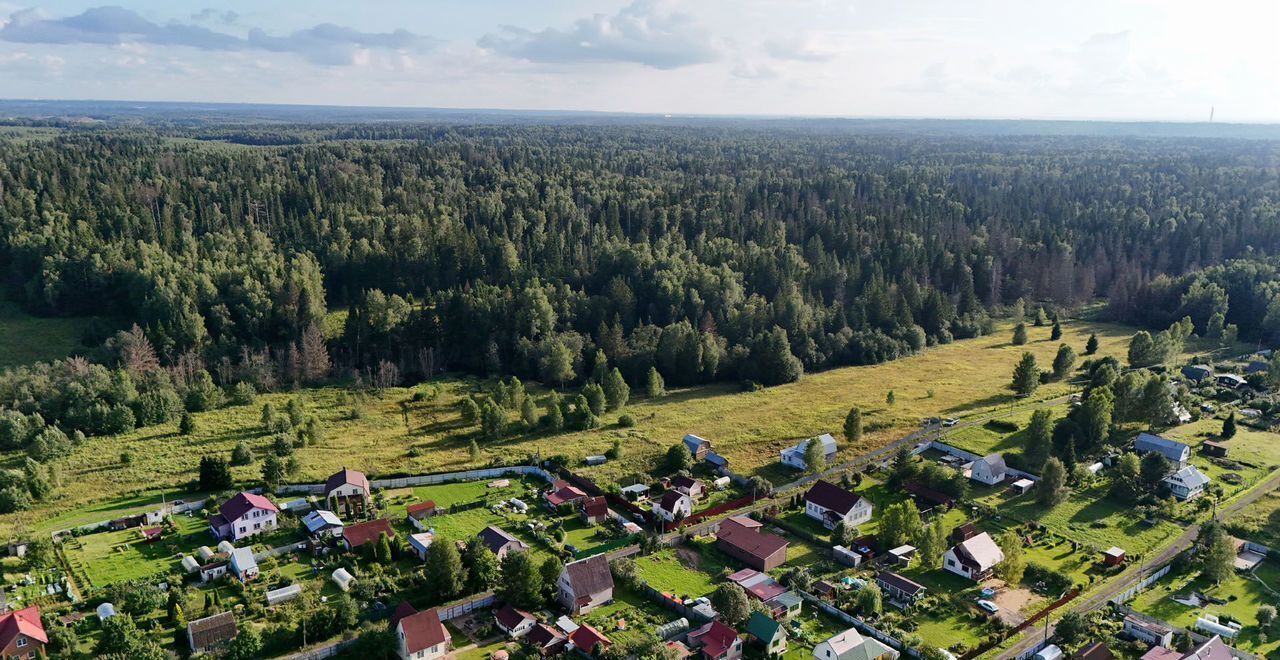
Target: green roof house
pixel 768 633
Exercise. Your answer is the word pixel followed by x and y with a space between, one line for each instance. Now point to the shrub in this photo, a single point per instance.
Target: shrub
pixel 626 421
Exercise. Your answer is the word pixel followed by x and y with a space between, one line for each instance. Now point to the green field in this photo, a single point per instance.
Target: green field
pixel 110 557
pixel 1260 521
pixel 1243 593
pixel 680 571
pixel 25 339
pixel 747 427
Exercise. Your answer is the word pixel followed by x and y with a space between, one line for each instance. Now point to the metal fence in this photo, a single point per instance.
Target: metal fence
pixel 467 605
pixel 427 479
pixel 862 626
pixel 1141 585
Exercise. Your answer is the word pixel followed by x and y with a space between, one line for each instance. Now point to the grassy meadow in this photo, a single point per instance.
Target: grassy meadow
pixel 25 339
pixel 390 433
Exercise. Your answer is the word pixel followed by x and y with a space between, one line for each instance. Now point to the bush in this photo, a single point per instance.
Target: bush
pixel 626 421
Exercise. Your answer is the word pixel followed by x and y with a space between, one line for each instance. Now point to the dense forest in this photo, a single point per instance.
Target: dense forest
pixel 707 253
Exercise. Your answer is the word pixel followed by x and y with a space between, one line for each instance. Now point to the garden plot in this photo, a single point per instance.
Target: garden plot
pixel 1241 595
pixel 106 558
pixel 683 571
pixel 630 618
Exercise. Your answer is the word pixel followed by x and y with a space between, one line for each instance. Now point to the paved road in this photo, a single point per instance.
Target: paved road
pixel 1134 575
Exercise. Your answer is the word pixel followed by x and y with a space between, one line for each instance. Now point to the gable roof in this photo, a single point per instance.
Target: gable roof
pixel 694 442
pixel 830 496
pixel 828 444
pixel 1094 651
pixel 1214 649
pixel 242 559
pixel 715 638
pixel 981 550
pixel 212 630
pixel 496 538
pixel 345 477
pixel 421 508
pixel 995 462
pixel 595 506
pixel 366 532
pixel 423 630
pixel 321 519
pixel 589 576
pixel 544 636
pixel 564 494
pixel 1197 371
pixel 685 482
pixel 25 621
pixel 757 584
pixel 403 609
pixel 1189 476
pixel 586 638
pixel 243 503
pixel 1170 449
pixel 750 540
pixel 906 586
pixel 509 617
pixel 670 499
pixel 762 627
pixel 716 459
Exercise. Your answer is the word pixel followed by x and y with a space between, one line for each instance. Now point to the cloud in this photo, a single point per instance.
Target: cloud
pixel 643 32
pixel 807 49
pixel 754 71
pixel 326 43
pixel 211 15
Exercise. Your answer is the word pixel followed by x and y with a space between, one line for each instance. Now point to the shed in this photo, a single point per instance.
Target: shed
pixel 721 483
pixel 226 547
pixel 1095 468
pixel 1022 486
pixel 1214 448
pixel 106 611
pixel 903 554
pixel 343 579
pixel 189 564
pixel 846 556
pixel 1113 556
pixel 596 460
pixel 283 594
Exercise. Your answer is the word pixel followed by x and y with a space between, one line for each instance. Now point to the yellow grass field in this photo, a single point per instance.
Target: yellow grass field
pixel 749 428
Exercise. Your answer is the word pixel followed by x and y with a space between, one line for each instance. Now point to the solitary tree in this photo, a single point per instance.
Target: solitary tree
pixel 654 387
pixel 1020 334
pixel 678 458
pixel 1052 485
pixel 1038 438
pixel 900 523
pixel 869 600
pixel 1091 346
pixel 853 425
pixel 1026 375
pixel 1229 427
pixel 616 390
pixel 187 424
pixel 1218 556
pixel 1063 361
pixel 1056 333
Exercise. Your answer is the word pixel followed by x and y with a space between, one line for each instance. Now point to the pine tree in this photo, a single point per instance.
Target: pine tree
pixel 1229 427
pixel 529 413
pixel 1052 485
pixel 555 412
pixel 1038 439
pixel 1020 334
pixel 595 397
pixel 654 386
pixel 1063 361
pixel 1091 346
pixel 1026 376
pixel 187 425
pixel 853 426
pixel 616 390
pixel 1056 332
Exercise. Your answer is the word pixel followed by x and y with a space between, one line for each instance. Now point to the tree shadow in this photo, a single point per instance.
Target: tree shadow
pixel 985 402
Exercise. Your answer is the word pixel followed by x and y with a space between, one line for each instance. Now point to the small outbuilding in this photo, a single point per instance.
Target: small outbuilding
pixel 106 611
pixel 1023 486
pixel 1214 448
pixel 226 547
pixel 343 579
pixel 1113 556
pixel 189 564
pixel 283 594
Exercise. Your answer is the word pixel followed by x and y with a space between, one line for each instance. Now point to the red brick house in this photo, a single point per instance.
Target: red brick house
pixel 22 634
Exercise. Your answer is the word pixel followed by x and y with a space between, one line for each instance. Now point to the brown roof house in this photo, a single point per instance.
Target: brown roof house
pixel 831 505
pixel 694 488
pixel 357 535
pixel 347 492
pixel 212 632
pixel 421 636
pixel 245 514
pixel 500 542
pixel 594 510
pixel 585 584
pixel 741 538
pixel 418 514
pixel 515 622
pixel 22 633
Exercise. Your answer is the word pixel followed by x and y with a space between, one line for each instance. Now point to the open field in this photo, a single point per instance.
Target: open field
pixel 25 339
pixel 369 432
pixel 1243 593
pixel 1259 522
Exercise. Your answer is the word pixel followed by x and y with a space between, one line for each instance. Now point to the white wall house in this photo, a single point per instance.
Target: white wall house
pixel 831 505
pixel 793 456
pixel 974 557
pixel 989 470
pixel 1187 483
pixel 673 506
pixel 242 516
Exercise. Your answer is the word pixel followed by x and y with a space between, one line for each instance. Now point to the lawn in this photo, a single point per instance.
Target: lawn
pixel 810 628
pixel 688 574
pixel 392 433
pixel 630 618
pixel 1243 595
pixel 25 339
pixel 1260 521
pixel 110 557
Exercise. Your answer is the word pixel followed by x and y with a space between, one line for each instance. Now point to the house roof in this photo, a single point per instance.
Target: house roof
pixel 564 495
pixel 900 583
pixel 670 499
pixel 361 533
pixel 509 617
pixel 595 506
pixel 716 459
pixel 243 503
pixel 403 609
pixel 497 538
pixel 762 627
pixel 981 550
pixel 423 630
pixel 635 488
pixel 685 482
pixel 828 444
pixel 785 599
pixel 1094 651
pixel 1161 653
pixel 1149 626
pixel 830 496
pixel 995 462
pixel 850 645
pixel 1197 371
pixel 693 442
pixel 1189 476
pixel 22 622
pixel 759 585
pixel 1170 449
pixel 242 560
pixel 928 494
pixel 586 638
pixel 749 539
pixel 417 510
pixel 543 636
pixel 589 576
pixel 345 477
pixel 212 630
pixel 715 638
pixel 422 540
pixel 321 519
pixel 1256 366
pixel 1214 649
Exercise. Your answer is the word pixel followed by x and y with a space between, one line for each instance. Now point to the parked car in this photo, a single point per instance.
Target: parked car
pixel 988 605
pixel 950 421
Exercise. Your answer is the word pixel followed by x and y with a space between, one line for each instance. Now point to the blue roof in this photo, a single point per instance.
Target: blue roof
pixel 1170 449
pixel 693 442
pixel 716 459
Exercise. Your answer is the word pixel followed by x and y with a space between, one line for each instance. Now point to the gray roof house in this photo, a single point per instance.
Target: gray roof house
pixel 1176 452
pixel 989 469
pixel 1197 372
pixel 794 455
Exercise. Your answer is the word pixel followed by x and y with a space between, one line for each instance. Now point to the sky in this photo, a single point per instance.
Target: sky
pixel 1169 60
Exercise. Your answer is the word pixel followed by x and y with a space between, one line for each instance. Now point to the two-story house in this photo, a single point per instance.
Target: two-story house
pixel 22 634
pixel 421 636
pixel 831 505
pixel 347 492
pixel 244 515
pixel 673 506
pixel 585 584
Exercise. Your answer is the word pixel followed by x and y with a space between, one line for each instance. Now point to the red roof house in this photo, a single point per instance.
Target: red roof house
pixel 741 538
pixel 565 494
pixel 717 641
pixel 588 640
pixel 21 633
pixel 594 510
pixel 422 635
pixel 354 536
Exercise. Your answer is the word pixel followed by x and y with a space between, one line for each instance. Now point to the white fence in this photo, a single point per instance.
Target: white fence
pixel 459 608
pixel 322 652
pixel 1141 585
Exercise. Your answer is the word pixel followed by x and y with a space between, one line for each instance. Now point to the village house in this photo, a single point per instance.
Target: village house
pixel 716 641
pixel 1187 483
pixel 635 492
pixel 588 641
pixel 1173 451
pixel 1150 632
pixel 673 506
pixel 1231 381
pixel 514 622
pixel 347 492
pixel 898 589
pixel 851 645
pixel 831 505
pixel 989 469
pixel 500 542
pixel 594 510
pixel 973 558
pixel 322 524
pixel 757 585
pixel 22 633
pixel 585 584
pixel 561 493
pixel 211 633
pixel 698 447
pixel 546 640
pixel 694 488
pixel 418 514
pixel 1094 651
pixel 243 564
pixel 421 636
pixel 793 456
pixel 740 537
pixel 785 606
pixel 1210 649
pixel 242 516
pixel 1197 373
pixel 769 634
pixel 355 536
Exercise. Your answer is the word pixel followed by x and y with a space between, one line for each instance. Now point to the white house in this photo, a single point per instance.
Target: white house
pixel 989 469
pixel 243 564
pixel 831 505
pixel 244 515
pixel 585 584
pixel 673 506
pixel 793 456
pixel 514 622
pixel 421 636
pixel 420 542
pixel 347 491
pixel 694 488
pixel 1187 483
pixel 974 557
pixel 850 645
